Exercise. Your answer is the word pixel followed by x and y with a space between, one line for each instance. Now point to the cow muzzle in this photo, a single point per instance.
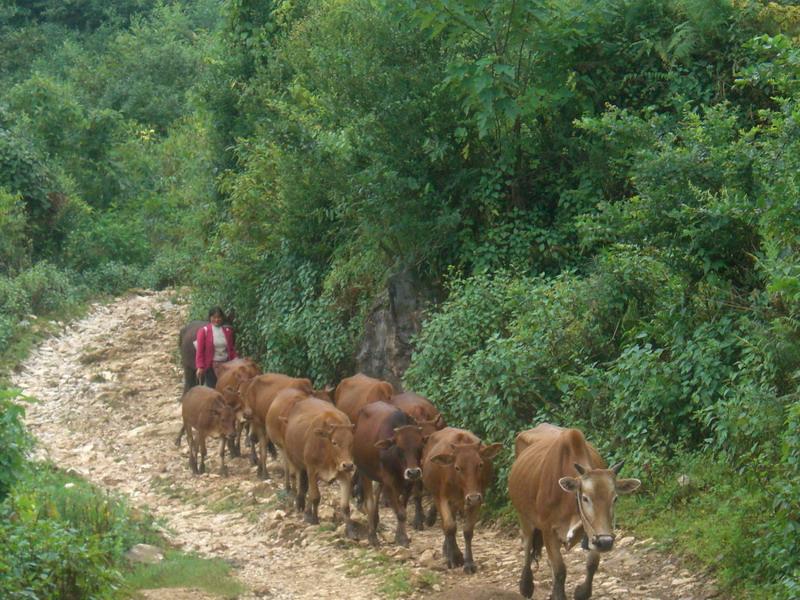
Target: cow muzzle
pixel 347 467
pixel 413 474
pixel 603 543
pixel 473 500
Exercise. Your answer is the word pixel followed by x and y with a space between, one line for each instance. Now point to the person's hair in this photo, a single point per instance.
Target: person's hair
pixel 216 311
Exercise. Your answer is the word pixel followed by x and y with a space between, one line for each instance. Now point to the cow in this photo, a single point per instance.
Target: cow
pixel 387 448
pixel 456 470
pixel 231 379
pixel 276 421
pixel 563 493
pixel 205 412
pixel 428 417
pixel 186 339
pixel 354 392
pixel 259 393
pixel 319 445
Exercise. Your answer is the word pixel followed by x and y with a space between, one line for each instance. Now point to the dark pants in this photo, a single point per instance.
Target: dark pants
pixel 210 378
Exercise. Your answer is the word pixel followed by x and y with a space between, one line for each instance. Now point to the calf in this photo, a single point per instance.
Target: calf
pixel 276 421
pixel 456 470
pixel 205 413
pixel 428 417
pixel 387 449
pixel 319 445
pixel 231 383
pixel 563 493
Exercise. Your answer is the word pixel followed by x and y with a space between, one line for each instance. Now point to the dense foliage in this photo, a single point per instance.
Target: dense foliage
pixel 600 196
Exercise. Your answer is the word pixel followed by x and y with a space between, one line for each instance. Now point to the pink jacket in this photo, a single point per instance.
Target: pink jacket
pixel 205 346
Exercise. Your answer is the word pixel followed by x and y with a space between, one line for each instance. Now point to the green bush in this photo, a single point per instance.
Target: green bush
pixel 14 440
pixel 15 246
pixel 63 538
pixel 112 277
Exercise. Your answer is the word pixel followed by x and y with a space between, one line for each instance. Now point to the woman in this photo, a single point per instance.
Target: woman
pixel 214 346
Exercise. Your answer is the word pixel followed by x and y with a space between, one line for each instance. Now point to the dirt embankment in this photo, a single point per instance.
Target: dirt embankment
pixel 108 390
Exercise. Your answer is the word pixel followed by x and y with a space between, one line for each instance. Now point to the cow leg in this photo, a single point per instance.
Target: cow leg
pixel 470 518
pixel 450 551
pixel 358 491
pixel 287 472
pixel 235 444
pixel 371 503
pixel 430 520
pixel 189 378
pixel 526 577
pixel 180 435
pixel 584 590
pixel 202 439
pixel 223 470
pixel 311 515
pixel 556 564
pixel 398 502
pixel 302 488
pixel 418 510
pixel 192 450
pixel 345 489
pixel 262 452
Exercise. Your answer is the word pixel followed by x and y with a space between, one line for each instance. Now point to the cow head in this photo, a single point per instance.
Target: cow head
pixel 596 492
pixel 338 441
pixel 470 466
pixel 406 445
pixel 225 416
pixel 325 393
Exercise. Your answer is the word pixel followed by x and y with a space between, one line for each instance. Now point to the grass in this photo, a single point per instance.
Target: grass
pixel 395 580
pixel 179 570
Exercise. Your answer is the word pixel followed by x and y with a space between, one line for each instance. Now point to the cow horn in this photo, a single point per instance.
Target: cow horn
pixel 579 469
pixel 618 467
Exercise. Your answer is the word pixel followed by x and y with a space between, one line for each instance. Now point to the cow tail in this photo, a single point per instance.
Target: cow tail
pixel 538 543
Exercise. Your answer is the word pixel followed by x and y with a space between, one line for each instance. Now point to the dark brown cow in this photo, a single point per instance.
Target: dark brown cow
pixel 387 449
pixel 186 339
pixel 426 415
pixel 319 445
pixel 258 397
pixel 563 493
pixel 205 413
pixel 354 392
pixel 456 470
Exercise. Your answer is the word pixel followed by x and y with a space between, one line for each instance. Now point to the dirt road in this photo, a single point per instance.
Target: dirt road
pixel 108 390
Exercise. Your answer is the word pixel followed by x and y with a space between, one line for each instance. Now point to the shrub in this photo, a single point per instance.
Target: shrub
pixel 14 440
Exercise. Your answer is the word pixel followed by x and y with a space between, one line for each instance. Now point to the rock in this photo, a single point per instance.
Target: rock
pixel 144 553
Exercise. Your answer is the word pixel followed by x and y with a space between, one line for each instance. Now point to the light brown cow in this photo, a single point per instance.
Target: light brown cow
pixel 205 413
pixel 258 397
pixel 428 417
pixel 354 392
pixel 456 470
pixel 319 445
pixel 276 422
pixel 563 493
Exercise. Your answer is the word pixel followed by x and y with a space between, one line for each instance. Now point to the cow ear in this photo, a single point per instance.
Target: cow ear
pixel 627 486
pixel 490 451
pixel 321 432
pixel 569 484
pixel 384 444
pixel 283 419
pixel 617 467
pixel 439 422
pixel 443 459
pixel 218 406
pixel 580 469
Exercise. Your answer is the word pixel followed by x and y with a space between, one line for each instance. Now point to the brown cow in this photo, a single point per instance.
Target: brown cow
pixel 456 469
pixel 206 412
pixel 563 493
pixel 258 396
pixel 428 417
pixel 232 377
pixel 354 392
pixel 276 422
pixel 387 449
pixel 319 445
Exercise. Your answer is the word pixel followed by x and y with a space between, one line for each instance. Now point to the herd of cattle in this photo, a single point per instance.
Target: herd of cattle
pixel 363 432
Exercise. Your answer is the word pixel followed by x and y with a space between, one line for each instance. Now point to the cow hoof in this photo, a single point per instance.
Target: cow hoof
pixel 402 540
pixel 470 568
pixel 458 559
pixel 311 518
pixel 582 593
pixel 350 531
pixel 373 540
pixel 223 471
pixel 202 469
pixel 417 524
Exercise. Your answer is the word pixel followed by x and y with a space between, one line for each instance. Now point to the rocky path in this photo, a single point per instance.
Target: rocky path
pixel 108 390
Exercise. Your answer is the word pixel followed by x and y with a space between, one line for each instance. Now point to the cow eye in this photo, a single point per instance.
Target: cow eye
pixel 585 499
pixel 334 442
pixel 458 468
pixel 616 498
